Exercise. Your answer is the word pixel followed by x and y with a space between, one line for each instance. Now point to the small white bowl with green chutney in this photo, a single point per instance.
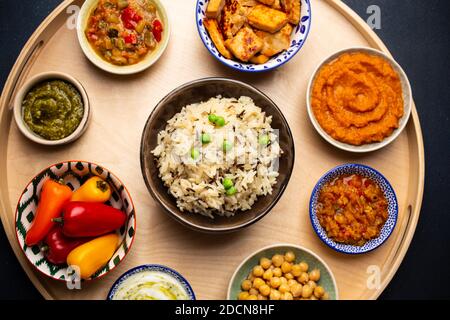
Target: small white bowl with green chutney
pixel 52 108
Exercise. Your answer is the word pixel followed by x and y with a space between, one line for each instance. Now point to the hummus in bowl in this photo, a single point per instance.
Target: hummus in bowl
pixel 359 99
pixel 151 282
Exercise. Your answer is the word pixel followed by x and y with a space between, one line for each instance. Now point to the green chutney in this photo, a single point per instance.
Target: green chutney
pixel 53 109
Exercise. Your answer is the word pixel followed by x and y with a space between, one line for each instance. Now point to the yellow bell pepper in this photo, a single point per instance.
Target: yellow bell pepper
pixel 94 189
pixel 93 255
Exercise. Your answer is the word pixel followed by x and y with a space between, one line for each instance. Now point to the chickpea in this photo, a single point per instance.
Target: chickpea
pixel 268 274
pixel 303 266
pixel 287 296
pixel 275 295
pixel 283 288
pixel 265 263
pixel 319 292
pixel 307 291
pixel 252 297
pixel 277 272
pixel 261 297
pixel 253 292
pixel 264 290
pixel 283 280
pixel 325 296
pixel 291 282
pixel 246 285
pixel 297 290
pixel 286 267
pixel 312 284
pixel 258 282
pixel 277 260
pixel 258 271
pixel 275 282
pixel 304 278
pixel 314 275
pixel 289 276
pixel 313 297
pixel 243 295
pixel 289 256
pixel 296 270
pixel 251 277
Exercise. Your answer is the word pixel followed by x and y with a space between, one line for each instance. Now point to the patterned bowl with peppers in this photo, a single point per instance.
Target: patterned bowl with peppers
pixel 73 174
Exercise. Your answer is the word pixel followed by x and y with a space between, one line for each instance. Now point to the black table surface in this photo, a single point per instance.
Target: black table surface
pixel 417 33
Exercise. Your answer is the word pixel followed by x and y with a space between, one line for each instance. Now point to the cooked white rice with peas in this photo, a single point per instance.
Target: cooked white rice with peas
pixel 217 157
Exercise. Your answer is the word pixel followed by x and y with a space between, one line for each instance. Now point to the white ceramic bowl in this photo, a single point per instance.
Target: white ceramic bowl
pixel 29 84
pixel 90 53
pixel 407 100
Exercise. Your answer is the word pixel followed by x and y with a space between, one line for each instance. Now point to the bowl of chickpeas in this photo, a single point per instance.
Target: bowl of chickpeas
pixel 283 272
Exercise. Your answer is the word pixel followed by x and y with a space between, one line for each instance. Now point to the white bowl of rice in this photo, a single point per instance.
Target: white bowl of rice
pixel 217 154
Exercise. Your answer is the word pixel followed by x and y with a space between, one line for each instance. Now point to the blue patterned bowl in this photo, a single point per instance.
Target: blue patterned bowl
pixel 388 191
pixel 152 267
pixel 74 174
pixel 298 39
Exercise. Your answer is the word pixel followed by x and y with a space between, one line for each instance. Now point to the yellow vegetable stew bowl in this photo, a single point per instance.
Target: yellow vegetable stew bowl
pixel 74 173
pixel 148 61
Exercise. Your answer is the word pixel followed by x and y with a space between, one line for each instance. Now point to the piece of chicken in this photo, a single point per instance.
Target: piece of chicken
pixel 233 18
pixel 295 12
pixel 249 3
pixel 276 5
pixel 245 44
pixel 286 5
pixel 275 42
pixel 267 2
pixel 259 59
pixel 214 8
pixel 267 19
pixel 216 36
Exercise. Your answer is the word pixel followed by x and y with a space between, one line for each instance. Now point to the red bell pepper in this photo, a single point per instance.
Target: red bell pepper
pixel 90 219
pixel 157 30
pixel 131 38
pixel 130 18
pixel 57 246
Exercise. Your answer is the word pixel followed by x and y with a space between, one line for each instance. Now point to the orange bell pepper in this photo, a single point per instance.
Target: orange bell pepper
pixel 53 197
pixel 93 255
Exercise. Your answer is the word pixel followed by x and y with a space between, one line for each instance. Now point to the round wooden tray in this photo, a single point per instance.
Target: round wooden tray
pixel 122 104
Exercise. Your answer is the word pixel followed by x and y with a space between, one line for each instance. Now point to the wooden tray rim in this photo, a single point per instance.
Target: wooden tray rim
pixel 17 73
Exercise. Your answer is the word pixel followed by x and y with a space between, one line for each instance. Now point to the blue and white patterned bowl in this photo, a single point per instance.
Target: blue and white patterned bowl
pixel 298 39
pixel 152 267
pixel 388 191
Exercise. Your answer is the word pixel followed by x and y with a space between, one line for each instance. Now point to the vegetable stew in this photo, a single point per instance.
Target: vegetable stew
pixel 123 32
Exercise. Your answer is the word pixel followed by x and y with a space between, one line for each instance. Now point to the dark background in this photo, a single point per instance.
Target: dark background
pixel 418 35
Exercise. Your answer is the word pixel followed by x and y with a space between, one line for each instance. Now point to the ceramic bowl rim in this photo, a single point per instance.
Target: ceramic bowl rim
pixel 42 172
pixel 365 148
pixel 145 267
pixel 93 57
pixel 274 246
pixel 317 188
pixel 222 59
pixel 33 81
pixel 177 216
